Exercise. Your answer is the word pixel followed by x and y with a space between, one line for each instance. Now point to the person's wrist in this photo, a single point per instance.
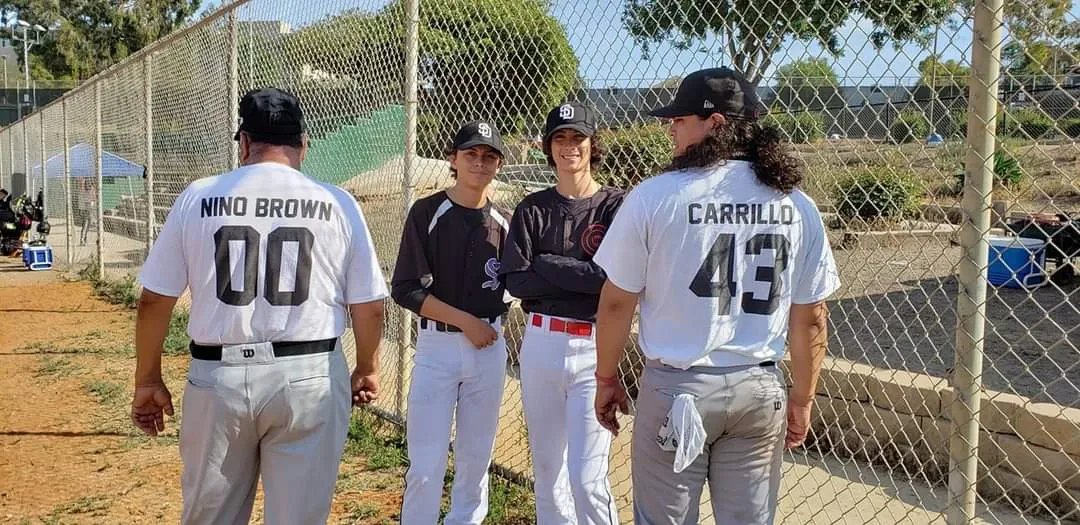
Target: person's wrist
pixel 606 379
pixel 801 401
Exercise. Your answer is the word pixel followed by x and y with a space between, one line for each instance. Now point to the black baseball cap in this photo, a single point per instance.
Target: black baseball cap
pixel 479 133
pixel 715 90
pixel 271 114
pixel 570 116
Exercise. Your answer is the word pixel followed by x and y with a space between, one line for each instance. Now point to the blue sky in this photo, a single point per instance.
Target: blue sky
pixel 609 57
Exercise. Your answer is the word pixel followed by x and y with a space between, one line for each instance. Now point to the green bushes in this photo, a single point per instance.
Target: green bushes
pixel 800 128
pixel 877 194
pixel 909 126
pixel 1007 172
pixel 1025 123
pixel 633 154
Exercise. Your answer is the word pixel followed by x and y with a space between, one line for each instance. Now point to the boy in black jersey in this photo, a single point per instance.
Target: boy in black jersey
pixel 447 272
pixel 548 265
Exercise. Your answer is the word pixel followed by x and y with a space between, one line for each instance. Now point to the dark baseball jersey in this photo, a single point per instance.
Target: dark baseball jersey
pixel 548 258
pixel 451 252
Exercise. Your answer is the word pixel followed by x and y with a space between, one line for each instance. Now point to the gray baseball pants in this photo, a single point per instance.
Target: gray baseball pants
pixel 744 412
pixel 253 414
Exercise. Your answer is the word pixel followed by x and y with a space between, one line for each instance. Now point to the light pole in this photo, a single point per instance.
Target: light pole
pixel 28 42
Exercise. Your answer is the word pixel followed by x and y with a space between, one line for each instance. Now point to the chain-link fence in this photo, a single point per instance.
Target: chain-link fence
pixel 938 139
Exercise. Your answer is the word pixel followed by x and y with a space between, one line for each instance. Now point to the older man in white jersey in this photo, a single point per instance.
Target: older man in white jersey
pixel 276 263
pixel 730 262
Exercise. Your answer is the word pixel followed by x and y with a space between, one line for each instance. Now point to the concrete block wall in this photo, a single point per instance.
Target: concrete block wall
pixel 1029 453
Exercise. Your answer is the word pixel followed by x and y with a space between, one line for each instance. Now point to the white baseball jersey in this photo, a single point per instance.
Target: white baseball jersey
pixel 718 258
pixel 269 254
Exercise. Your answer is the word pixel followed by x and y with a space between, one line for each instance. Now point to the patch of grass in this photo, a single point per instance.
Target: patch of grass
pixel 176 340
pixel 367 437
pixel 92 505
pixel 107 392
pixel 510 503
pixel 360 511
pixel 55 367
pixel 121 292
pixel 40 347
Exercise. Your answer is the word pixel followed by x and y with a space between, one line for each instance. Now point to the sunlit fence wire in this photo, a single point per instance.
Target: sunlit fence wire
pixel 881 106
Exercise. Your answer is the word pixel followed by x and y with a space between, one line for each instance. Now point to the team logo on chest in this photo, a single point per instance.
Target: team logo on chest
pixel 591 237
pixel 491 269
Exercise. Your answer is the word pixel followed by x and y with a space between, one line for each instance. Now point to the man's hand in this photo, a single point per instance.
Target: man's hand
pixel 480 333
pixel 798 424
pixel 610 397
pixel 365 387
pixel 151 401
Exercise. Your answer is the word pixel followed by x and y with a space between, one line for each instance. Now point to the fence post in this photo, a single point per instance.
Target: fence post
pixel 148 97
pixel 98 176
pixel 233 89
pixel 26 157
pixel 412 53
pixel 971 299
pixel 68 224
pixel 44 171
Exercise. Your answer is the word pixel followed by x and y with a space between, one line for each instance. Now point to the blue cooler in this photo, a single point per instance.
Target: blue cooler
pixel 1017 262
pixel 38 257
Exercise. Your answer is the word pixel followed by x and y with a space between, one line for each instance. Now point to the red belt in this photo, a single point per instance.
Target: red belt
pixel 568 327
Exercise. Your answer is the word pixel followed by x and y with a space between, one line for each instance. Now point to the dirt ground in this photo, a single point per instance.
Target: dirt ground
pixel 68 453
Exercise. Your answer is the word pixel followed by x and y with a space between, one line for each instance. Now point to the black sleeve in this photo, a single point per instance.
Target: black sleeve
pixel 572 274
pixel 411 269
pixel 522 281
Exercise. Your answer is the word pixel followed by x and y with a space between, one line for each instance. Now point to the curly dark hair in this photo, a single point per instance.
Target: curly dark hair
pixel 596 152
pixel 746 140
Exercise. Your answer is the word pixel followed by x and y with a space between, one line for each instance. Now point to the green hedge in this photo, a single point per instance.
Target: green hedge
pixel 633 154
pixel 1026 123
pixel 800 128
pixel 878 194
pixel 909 126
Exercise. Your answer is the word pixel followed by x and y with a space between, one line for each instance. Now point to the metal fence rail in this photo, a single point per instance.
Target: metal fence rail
pixel 952 387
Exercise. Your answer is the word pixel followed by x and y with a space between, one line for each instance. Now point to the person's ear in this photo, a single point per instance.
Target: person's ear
pixel 245 148
pixel 716 120
pixel 305 143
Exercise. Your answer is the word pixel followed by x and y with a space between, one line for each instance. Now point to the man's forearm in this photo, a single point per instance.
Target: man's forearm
pixel 807 338
pixel 367 319
pixel 151 327
pixel 570 274
pixel 435 308
pixel 613 319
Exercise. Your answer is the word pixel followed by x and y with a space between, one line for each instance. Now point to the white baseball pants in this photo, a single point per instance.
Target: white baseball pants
pixel 569 447
pixel 284 418
pixel 451 380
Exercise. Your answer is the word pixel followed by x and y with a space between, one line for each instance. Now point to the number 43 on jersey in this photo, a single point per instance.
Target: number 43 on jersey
pixel 720 262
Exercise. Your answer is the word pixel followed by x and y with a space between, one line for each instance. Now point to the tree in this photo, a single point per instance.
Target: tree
pixel 92 35
pixel 934 72
pixel 504 60
pixel 811 72
pixel 752 31
pixel 1043 38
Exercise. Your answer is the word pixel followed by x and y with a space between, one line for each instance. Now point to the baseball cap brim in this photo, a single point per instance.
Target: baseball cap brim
pixel 672 111
pixel 478 142
pixel 580 127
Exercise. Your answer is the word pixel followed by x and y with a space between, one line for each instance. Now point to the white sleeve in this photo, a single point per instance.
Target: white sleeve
pixel 165 271
pixel 364 280
pixel 623 253
pixel 816 276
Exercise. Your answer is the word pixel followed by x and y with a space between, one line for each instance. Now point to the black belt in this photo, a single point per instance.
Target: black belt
pixel 443 327
pixel 281 349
